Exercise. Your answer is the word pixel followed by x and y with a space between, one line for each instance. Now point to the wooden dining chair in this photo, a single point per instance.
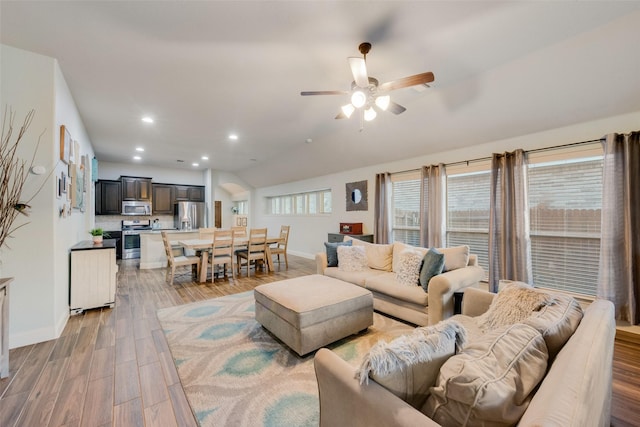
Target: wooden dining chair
pixel 222 252
pixel 281 247
pixel 255 251
pixel 177 261
pixel 239 236
pixel 206 233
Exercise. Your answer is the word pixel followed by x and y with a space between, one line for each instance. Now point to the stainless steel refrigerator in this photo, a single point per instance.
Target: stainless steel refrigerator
pixel 189 215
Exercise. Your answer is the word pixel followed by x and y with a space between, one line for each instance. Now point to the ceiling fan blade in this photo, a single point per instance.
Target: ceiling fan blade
pixel 396 108
pixel 359 71
pixel 417 79
pixel 341 115
pixel 324 92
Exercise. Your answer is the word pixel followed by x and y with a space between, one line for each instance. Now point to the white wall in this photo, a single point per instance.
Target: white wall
pixel 216 180
pixel 309 232
pixel 37 255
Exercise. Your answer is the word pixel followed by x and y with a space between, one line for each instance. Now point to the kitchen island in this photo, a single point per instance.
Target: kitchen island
pixel 152 253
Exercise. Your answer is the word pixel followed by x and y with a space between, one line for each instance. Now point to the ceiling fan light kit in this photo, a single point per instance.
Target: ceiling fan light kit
pixel 367 94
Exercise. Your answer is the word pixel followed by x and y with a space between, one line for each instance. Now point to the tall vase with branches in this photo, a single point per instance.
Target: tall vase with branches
pixel 14 172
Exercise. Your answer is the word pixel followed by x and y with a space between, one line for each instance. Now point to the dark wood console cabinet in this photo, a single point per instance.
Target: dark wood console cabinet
pixel 337 237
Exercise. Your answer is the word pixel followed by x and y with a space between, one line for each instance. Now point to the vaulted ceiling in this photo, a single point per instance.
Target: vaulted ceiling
pixel 205 69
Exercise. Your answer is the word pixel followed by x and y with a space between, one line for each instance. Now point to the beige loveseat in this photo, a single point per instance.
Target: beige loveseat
pixel 410 303
pixel 575 389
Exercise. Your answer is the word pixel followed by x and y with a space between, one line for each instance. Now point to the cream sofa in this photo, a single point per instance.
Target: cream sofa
pixel 410 303
pixel 575 389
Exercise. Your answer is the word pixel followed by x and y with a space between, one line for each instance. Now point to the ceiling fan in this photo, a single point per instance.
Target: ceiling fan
pixel 367 94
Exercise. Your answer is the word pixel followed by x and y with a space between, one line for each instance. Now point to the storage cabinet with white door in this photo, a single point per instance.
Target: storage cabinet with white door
pixel 93 275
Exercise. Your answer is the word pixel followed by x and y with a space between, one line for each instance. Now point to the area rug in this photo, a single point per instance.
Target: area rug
pixel 235 373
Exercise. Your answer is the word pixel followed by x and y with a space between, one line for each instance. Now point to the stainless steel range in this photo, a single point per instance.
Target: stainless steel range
pixel 131 236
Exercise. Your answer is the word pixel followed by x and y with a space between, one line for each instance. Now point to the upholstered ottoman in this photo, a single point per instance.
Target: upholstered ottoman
pixel 309 312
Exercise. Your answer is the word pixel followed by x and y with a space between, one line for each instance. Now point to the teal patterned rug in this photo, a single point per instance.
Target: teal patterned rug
pixel 235 373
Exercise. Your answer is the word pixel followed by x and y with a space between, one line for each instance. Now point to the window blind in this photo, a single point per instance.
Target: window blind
pixel 468 213
pixel 565 203
pixel 406 210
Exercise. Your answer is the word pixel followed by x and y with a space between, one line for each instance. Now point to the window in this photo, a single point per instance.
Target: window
pixel 406 208
pixel 565 203
pixel 468 194
pixel 310 203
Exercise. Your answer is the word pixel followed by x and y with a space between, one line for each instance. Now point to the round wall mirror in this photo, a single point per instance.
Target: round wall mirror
pixel 356 196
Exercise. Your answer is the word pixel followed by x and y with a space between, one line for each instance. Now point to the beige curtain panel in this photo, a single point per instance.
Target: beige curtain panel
pixel 619 277
pixel 432 206
pixel 509 239
pixel 383 208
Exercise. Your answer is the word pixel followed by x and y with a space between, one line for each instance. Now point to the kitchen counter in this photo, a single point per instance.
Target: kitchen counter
pixel 152 253
pixel 168 230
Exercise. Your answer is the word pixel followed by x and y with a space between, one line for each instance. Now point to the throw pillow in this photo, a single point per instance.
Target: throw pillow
pixel 456 257
pixel 352 258
pixel 398 248
pixel 408 366
pixel 379 256
pixel 332 252
pixel 432 265
pixel 514 303
pixel 490 383
pixel 408 273
pixel 556 322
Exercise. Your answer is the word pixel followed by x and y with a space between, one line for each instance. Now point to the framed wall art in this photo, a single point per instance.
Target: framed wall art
pixel 357 196
pixel 65 144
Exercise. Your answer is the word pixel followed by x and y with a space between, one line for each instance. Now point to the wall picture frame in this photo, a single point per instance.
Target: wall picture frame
pixel 65 144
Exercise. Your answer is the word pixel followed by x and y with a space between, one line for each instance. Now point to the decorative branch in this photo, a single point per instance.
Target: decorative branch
pixel 14 172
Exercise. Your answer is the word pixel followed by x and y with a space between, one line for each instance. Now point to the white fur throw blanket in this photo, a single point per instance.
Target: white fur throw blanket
pixel 419 346
pixel 513 304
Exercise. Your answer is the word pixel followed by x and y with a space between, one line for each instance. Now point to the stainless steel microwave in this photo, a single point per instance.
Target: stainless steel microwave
pixel 130 207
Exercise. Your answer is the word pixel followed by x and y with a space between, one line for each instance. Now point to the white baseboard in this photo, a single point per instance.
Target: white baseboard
pixel 302 254
pixel 35 336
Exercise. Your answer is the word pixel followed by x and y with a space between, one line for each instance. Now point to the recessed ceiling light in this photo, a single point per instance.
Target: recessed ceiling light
pixel 195 164
pixel 140 149
pixel 137 158
pixel 147 119
pixel 205 157
pixel 233 137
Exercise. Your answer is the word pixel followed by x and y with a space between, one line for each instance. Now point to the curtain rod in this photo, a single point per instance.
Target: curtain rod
pixel 536 150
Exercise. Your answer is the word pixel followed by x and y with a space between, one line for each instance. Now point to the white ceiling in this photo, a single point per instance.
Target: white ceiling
pixel 205 69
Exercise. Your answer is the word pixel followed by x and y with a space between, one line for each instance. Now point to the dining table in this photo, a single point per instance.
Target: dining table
pixel 202 246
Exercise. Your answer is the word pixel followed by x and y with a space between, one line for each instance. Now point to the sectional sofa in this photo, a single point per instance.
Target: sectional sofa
pixel 409 303
pixel 572 353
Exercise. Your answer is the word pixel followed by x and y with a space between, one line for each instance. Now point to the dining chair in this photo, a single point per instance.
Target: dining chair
pixel 255 251
pixel 239 231
pixel 281 247
pixel 206 233
pixel 239 236
pixel 222 252
pixel 177 261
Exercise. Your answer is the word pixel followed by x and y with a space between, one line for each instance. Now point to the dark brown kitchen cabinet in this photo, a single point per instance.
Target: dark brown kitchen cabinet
pixel 163 199
pixel 134 188
pixel 196 194
pixel 108 197
pixel 189 193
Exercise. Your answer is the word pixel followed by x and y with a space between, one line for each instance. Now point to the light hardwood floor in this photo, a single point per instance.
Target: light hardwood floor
pixel 113 366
